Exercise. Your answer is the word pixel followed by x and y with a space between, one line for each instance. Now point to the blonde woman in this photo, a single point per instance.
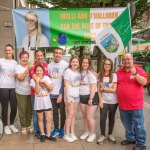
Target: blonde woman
pixel 35 37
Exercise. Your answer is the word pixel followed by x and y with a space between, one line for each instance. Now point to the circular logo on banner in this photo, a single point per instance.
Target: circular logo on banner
pixel 62 39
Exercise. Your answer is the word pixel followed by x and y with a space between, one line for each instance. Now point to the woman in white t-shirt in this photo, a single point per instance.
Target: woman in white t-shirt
pixel 107 85
pixel 42 85
pixel 88 98
pixel 23 92
pixel 7 89
pixel 71 93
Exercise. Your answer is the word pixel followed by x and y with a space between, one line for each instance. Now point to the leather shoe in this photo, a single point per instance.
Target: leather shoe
pixel 42 138
pixel 127 142
pixel 139 147
pixel 51 138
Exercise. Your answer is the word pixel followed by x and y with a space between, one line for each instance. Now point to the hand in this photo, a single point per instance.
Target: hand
pixel 42 82
pixel 101 89
pixel 28 68
pixel 90 102
pixel 59 99
pixel 37 79
pixel 133 70
pixel 51 76
pixel 101 104
pixel 68 101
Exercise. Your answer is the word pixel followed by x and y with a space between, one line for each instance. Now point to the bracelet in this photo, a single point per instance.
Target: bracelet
pixel 90 99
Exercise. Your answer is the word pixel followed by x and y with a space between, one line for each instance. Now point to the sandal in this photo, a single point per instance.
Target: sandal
pixel 24 131
pixel 30 129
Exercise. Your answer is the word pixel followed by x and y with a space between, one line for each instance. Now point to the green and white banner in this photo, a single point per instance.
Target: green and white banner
pixel 61 27
pixel 113 39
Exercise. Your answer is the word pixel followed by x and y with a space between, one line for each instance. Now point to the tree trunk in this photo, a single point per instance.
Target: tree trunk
pixel 99 59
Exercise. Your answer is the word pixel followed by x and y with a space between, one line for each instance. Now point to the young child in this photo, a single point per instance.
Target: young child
pixel 42 86
pixel 72 82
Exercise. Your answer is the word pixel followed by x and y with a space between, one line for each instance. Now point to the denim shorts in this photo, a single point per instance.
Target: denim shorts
pixel 73 99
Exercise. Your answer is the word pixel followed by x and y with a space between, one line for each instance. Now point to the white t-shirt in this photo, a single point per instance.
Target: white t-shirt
pixel 7 73
pixel 74 78
pixel 57 70
pixel 42 100
pixel 109 98
pixel 43 41
pixel 22 87
pixel 87 78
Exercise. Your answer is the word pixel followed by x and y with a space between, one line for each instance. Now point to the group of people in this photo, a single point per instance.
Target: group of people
pixel 60 87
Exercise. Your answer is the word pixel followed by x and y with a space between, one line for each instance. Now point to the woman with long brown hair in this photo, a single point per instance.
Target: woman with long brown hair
pixel 88 98
pixel 7 89
pixel 107 84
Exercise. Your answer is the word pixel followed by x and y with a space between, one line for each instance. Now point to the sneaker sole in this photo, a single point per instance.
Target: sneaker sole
pixel 8 134
pixel 100 143
pixel 68 141
pixel 113 142
pixel 55 135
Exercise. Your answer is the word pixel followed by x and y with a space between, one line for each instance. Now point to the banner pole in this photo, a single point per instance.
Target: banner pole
pixel 130 42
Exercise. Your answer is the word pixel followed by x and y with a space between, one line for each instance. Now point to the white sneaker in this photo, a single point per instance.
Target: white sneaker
pixel 68 138
pixel 13 129
pixel 91 138
pixel 73 136
pixel 111 139
pixel 101 139
pixel 84 136
pixel 7 130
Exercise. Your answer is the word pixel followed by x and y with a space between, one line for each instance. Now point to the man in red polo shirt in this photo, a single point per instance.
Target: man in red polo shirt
pixel 39 59
pixel 130 93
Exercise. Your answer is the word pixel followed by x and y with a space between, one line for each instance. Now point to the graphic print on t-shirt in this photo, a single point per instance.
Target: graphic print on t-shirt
pixel 43 91
pixel 57 73
pixel 83 79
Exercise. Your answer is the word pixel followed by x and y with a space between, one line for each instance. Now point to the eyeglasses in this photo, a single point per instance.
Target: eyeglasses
pixel 127 59
pixel 107 64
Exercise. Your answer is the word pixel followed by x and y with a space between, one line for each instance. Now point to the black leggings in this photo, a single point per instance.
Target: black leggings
pixel 6 96
pixel 103 116
pixel 59 116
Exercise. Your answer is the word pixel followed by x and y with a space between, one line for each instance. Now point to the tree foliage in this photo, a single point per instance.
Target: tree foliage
pixel 142 6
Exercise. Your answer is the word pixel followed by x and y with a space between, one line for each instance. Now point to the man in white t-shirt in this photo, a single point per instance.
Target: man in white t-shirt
pixel 56 69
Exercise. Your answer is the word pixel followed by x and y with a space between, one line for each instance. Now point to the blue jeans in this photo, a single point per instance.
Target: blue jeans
pixel 133 121
pixel 35 119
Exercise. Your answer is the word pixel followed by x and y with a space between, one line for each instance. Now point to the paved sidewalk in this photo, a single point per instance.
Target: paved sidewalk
pixel 29 142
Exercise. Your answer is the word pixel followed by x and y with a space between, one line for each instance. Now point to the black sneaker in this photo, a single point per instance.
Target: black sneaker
pixel 51 138
pixel 127 142
pixel 42 138
pixel 139 147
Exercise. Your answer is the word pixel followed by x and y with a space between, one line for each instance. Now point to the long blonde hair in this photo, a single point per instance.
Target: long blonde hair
pixel 39 28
